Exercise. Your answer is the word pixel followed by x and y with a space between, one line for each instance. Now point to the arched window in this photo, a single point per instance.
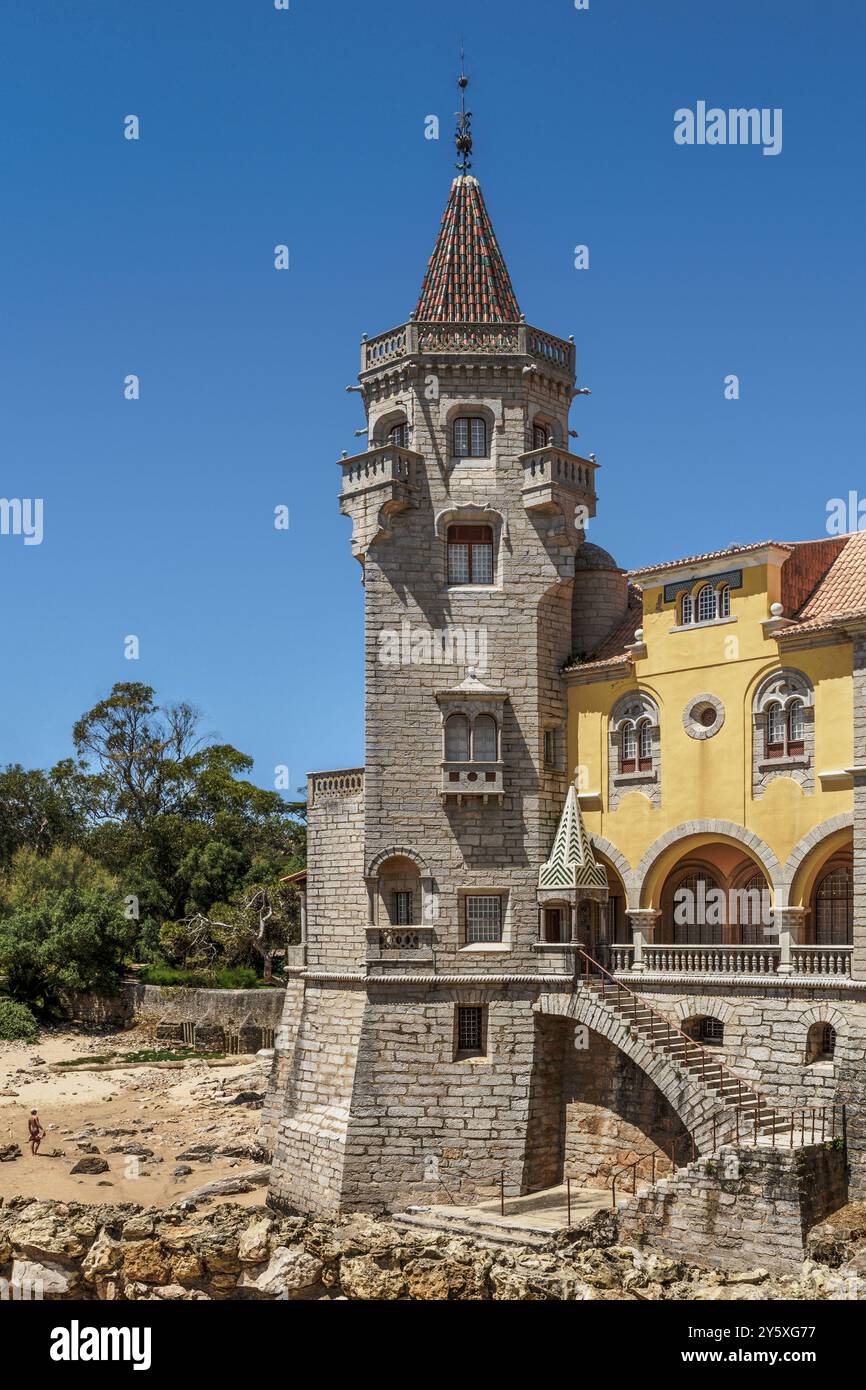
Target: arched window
pixel 484 739
pixel 470 437
pixel 821 1043
pixel 687 613
pixel 834 908
pixel 796 726
pixel 696 913
pixel 724 600
pixel 751 902
pixel 645 745
pixel 540 436
pixel 628 747
pixel 457 738
pixel 470 555
pixel 776 730
pixel 706 603
pixel 399 434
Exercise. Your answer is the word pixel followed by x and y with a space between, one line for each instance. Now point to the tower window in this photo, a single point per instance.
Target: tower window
pixel 540 436
pixel 402 909
pixel 457 738
pixel 711 1030
pixel 483 918
pixel 484 739
pixel 786 729
pixel 470 1030
pixel 470 555
pixel 470 437
pixel 399 435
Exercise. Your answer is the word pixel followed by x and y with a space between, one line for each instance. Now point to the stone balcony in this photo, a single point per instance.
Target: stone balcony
pixel 691 962
pixel 377 485
pixel 403 945
pixel 556 480
pixel 465 780
pixel 420 339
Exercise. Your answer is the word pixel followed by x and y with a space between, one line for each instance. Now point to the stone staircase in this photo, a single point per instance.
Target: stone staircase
pixel 741 1108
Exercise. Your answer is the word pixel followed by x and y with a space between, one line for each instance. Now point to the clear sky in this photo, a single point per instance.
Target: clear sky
pixel 306 127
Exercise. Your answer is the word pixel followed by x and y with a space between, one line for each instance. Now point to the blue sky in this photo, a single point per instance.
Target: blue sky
pixel 306 127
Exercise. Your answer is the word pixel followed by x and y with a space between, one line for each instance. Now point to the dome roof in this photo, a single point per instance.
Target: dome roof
pixel 593 557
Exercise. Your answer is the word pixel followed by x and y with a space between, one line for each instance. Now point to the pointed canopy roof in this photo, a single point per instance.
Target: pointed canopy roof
pixel 572 863
pixel 466 279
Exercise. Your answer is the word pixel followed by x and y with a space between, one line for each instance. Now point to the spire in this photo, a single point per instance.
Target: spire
pixel 466 280
pixel 572 863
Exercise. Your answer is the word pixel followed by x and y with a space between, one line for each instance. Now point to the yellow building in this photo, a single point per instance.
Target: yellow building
pixel 713 730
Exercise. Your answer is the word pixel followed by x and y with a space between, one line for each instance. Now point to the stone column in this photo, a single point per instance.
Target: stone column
pixel 791 924
pixel 642 921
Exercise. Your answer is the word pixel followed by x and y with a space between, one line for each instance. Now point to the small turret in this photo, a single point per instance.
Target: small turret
pixel 599 599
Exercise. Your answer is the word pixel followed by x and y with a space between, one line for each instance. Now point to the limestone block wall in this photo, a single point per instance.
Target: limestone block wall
pixel 309 1149
pixel 613 1114
pixel 745 1208
pixel 285 1038
pixel 522 624
pixel 427 1126
pixel 336 895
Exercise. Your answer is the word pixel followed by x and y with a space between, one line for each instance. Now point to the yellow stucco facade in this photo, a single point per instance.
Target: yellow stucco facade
pixel 710 778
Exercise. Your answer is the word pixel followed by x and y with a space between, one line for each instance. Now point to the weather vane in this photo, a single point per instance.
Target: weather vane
pixel 463 137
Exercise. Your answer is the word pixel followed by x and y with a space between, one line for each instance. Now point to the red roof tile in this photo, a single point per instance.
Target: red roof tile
pixel 842 591
pixel 466 279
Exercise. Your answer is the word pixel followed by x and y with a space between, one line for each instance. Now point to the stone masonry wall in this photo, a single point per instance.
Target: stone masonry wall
pixel 336 895
pixel 749 1207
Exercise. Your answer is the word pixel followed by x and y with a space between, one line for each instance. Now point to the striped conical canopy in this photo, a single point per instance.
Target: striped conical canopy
pixel 572 863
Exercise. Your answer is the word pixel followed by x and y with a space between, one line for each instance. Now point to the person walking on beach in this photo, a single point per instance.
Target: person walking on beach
pixel 37 1133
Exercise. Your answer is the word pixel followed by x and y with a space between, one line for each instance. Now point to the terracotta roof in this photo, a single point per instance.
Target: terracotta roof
pixel 466 279
pixel 612 649
pixel 708 555
pixel 842 591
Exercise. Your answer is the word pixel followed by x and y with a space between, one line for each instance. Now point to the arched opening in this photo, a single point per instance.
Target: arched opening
pixel 399 892
pixel 706 1029
pixel 716 896
pixel 833 906
pixel 592 1111
pixel 820 1043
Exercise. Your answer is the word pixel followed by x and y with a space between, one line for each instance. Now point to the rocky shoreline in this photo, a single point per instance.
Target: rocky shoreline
pixel 78 1252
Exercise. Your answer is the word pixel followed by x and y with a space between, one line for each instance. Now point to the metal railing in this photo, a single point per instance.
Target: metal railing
pixel 755 1119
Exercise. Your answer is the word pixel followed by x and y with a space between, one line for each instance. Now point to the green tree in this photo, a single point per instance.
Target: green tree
pixel 72 939
pixel 36 812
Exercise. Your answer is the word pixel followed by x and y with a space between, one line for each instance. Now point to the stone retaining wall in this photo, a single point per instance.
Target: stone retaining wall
pixel 231 1020
pixel 740 1209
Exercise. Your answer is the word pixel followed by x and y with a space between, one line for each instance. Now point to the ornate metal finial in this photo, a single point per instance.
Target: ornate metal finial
pixel 463 136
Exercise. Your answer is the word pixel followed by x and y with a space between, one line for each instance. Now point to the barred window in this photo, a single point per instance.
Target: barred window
pixel 711 1030
pixel 470 437
pixel 483 918
pixel 470 555
pixel 550 748
pixel 470 1028
pixel 706 604
pixel 402 909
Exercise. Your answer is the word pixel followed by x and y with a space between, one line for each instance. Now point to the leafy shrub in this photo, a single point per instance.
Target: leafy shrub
pixel 17 1023
pixel 236 977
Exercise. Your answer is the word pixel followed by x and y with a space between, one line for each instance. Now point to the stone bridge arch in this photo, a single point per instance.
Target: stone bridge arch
pixel 695 1107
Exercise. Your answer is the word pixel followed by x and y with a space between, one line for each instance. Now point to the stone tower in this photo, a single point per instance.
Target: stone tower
pixel 406 1058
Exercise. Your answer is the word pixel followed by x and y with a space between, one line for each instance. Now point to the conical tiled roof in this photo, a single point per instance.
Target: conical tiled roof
pixel 572 863
pixel 466 279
